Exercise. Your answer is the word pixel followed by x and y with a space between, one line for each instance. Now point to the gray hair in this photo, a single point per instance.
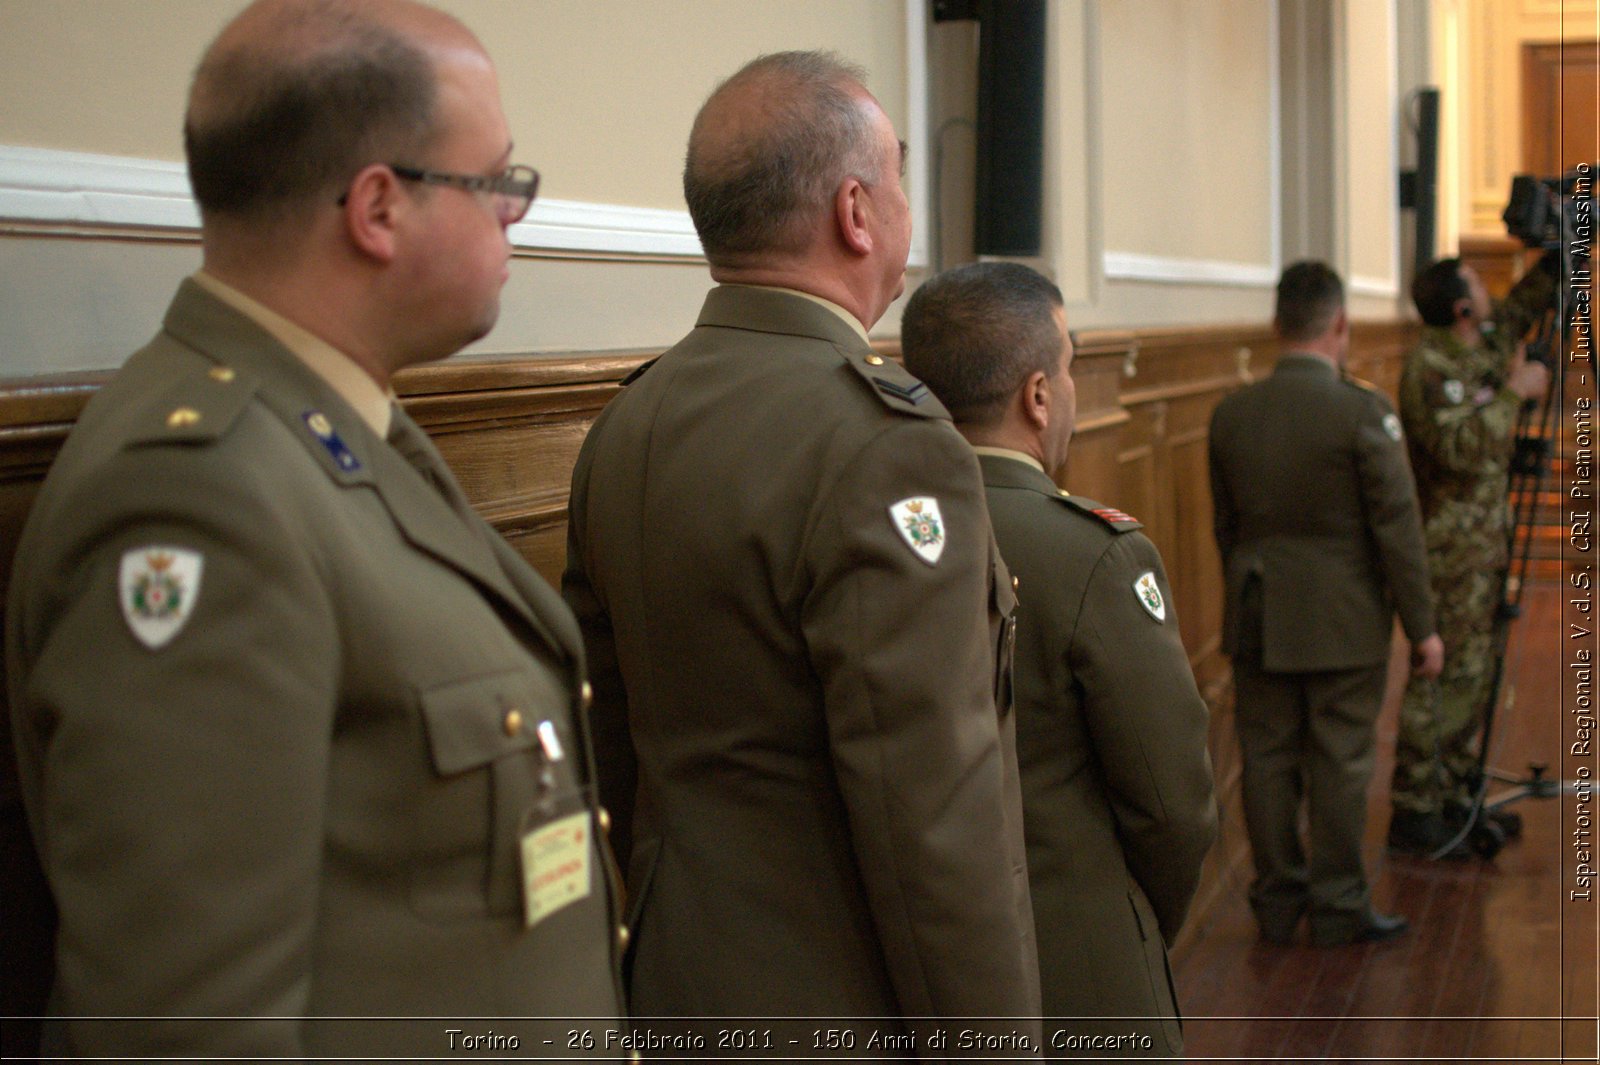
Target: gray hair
pixel 769 149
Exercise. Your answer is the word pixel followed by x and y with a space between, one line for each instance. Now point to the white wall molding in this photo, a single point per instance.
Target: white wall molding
pixel 1386 287
pixel 1131 266
pixel 1165 269
pixel 52 187
pixel 75 188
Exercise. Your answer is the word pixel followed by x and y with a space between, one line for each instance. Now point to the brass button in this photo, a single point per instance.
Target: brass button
pixel 1015 581
pixel 874 359
pixel 182 418
pixel 223 374
pixel 604 817
pixel 585 695
pixel 513 722
pixel 622 937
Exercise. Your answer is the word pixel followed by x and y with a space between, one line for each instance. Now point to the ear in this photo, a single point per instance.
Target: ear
pixel 1036 398
pixel 1341 322
pixel 851 213
pixel 373 207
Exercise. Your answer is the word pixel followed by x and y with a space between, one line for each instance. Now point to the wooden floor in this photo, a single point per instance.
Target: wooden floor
pixel 1500 964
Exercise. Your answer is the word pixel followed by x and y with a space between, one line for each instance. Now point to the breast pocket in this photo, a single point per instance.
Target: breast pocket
pixel 504 762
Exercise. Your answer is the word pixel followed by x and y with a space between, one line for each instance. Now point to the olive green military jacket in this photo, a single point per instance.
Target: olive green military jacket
pixel 1118 802
pixel 1460 420
pixel 285 719
pixel 1312 491
pixel 782 564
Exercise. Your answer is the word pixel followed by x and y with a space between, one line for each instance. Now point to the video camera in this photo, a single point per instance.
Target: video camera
pixel 1553 212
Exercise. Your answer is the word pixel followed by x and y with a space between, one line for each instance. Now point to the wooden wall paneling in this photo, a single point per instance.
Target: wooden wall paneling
pixel 1098 364
pixel 511 428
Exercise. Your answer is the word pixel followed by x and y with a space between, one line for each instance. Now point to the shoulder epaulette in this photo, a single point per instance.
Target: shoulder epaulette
pixel 1366 386
pixel 894 385
pixel 638 371
pixel 1111 516
pixel 195 408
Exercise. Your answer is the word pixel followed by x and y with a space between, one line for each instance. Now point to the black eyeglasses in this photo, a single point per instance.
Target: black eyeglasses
pixel 513 190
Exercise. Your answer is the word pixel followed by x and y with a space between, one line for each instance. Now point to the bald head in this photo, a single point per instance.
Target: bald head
pixel 295 96
pixel 769 149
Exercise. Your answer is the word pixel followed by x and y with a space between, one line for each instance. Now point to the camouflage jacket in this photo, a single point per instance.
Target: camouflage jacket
pixel 1460 419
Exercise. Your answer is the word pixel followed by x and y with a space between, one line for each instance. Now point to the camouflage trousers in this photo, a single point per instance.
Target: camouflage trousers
pixel 1436 751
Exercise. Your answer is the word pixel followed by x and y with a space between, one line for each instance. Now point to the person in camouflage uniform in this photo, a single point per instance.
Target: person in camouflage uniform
pixel 1461 391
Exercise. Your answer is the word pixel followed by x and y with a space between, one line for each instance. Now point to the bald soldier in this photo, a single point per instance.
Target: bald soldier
pixel 301 739
pixel 1314 581
pixel 780 557
pixel 1117 796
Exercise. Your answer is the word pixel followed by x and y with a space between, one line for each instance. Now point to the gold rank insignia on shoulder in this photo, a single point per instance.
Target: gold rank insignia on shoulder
pixel 157 587
pixel 920 525
pixel 1149 596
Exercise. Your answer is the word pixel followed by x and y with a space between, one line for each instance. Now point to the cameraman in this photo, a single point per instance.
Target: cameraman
pixel 1461 391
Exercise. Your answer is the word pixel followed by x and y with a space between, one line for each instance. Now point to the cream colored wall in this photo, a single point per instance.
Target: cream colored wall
pixel 1477 46
pixel 1369 160
pixel 1161 153
pixel 599 94
pixel 1187 114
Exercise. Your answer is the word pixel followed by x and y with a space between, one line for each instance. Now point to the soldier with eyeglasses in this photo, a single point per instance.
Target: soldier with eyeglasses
pixel 302 740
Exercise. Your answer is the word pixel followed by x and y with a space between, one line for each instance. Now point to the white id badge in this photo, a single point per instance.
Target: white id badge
pixel 555 866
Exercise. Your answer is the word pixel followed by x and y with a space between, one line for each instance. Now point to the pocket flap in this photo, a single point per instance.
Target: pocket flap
pixel 472 722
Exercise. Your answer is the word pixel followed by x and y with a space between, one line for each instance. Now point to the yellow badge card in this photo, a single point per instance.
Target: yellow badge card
pixel 555 866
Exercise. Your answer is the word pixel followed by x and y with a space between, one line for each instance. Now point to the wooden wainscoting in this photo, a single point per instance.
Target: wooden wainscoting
pixel 511 428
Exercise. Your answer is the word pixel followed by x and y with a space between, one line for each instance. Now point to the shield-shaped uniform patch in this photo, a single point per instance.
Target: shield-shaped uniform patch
pixel 920 525
pixel 1149 594
pixel 158 587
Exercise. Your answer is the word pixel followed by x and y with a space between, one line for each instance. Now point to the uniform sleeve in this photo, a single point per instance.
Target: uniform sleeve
pixel 1224 515
pixel 1457 429
pixel 1148 726
pixel 1389 502
pixel 182 789
pixel 902 650
pixel 1526 303
pixel 615 760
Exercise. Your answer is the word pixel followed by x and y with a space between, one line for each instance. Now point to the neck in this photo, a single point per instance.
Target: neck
pixel 324 302
pixel 802 276
pixel 1326 348
pixel 1008 437
pixel 1466 330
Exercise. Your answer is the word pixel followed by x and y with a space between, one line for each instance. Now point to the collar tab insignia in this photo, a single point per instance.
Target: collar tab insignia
pixel 329 438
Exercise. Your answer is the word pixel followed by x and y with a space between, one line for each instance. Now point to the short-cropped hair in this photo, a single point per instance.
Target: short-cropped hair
pixel 269 129
pixel 759 187
pixel 1310 294
pixel 1436 290
pixel 975 334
